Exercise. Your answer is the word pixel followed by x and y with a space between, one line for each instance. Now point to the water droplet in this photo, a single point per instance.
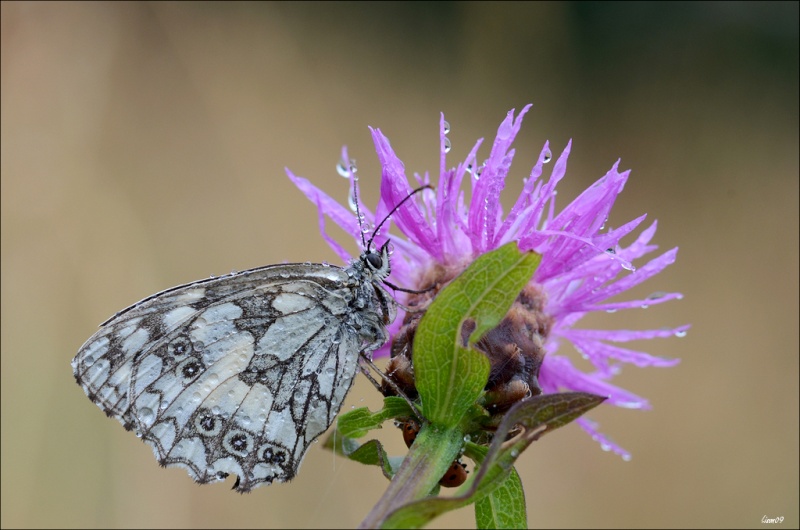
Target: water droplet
pixel 212 276
pixel 681 333
pixel 479 171
pixel 351 200
pixel 547 157
pixel 353 166
pixel 146 415
pixel 514 453
pixel 215 410
pixel 447 145
pixel 611 310
pixel 446 127
pixel 468 169
pixel 341 169
pixel 234 272
pixel 657 295
pixel 644 306
pixel 611 251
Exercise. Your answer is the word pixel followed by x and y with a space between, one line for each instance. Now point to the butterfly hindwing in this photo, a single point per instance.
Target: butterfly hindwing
pixel 237 374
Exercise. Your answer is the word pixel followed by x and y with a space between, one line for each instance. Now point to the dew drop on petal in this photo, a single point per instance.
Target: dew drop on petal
pixel 353 166
pixel 446 127
pixel 447 145
pixel 681 333
pixel 547 157
pixel 341 169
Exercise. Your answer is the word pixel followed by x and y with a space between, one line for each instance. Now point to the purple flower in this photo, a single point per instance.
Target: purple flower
pixel 580 266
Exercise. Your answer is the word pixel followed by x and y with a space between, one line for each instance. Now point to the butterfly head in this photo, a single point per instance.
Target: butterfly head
pixel 377 261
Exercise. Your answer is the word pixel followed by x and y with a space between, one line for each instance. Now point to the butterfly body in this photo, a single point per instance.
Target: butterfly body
pixel 239 374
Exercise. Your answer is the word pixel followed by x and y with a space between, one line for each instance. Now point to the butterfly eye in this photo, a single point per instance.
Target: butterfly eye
pixel 375 260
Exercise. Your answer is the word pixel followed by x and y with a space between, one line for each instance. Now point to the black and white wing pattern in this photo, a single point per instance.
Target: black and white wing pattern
pixel 239 374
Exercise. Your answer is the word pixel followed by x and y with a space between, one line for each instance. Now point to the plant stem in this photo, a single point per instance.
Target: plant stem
pixel 425 464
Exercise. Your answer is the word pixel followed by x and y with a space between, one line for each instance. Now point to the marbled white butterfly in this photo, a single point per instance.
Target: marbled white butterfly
pixel 239 374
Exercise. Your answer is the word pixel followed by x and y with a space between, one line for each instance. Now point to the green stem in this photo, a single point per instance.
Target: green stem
pixel 427 461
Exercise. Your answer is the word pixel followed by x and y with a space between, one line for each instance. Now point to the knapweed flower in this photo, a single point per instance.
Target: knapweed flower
pixel 583 265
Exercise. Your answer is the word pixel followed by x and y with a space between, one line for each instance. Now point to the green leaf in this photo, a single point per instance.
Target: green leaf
pixel 450 377
pixel 504 507
pixel 370 453
pixel 358 422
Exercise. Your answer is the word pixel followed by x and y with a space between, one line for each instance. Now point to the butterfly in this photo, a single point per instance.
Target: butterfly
pixel 237 375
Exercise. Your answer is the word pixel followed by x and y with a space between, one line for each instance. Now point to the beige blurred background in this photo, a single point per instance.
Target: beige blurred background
pixel 143 146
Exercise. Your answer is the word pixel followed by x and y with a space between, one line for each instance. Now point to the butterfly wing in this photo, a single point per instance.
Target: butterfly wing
pixel 233 375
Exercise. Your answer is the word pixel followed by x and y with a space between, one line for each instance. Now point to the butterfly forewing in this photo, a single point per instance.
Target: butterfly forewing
pixel 238 374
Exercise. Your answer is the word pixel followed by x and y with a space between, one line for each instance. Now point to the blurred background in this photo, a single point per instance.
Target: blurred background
pixel 144 146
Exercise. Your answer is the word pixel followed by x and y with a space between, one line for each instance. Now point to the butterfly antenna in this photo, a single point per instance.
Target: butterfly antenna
pixel 358 212
pixel 397 207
